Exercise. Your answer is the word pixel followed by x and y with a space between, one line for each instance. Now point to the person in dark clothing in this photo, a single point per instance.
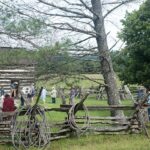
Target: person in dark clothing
pixel 22 100
pixel 8 104
pixel 14 87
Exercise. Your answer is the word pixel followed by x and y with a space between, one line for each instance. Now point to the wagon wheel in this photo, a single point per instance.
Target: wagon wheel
pixel 30 128
pixel 78 118
pixel 78 121
pixel 20 130
pixel 40 130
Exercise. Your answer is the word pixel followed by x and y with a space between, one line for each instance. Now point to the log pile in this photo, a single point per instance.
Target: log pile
pixel 5 127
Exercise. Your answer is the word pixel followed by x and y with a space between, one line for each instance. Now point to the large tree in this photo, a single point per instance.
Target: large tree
pixel 84 21
pixel 136 34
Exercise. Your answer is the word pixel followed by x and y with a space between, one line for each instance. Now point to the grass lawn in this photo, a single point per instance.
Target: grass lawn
pixel 103 142
pixel 97 142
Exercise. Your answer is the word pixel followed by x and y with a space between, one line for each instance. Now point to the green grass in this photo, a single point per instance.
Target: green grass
pixel 103 142
pixel 98 142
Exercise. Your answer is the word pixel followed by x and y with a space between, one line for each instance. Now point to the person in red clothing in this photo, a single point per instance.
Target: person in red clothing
pixel 8 104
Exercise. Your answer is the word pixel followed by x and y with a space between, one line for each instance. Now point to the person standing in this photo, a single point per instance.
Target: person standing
pixel 31 93
pixel 22 100
pixel 43 95
pixel 53 94
pixel 14 86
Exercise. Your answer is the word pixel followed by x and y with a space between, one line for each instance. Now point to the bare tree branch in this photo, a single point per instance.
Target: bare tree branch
pixel 58 15
pixel 120 4
pixel 81 41
pixel 109 3
pixel 66 10
pixel 19 37
pixel 83 22
pixel 73 4
pixel 69 27
pixel 94 80
pixel 113 45
pixel 65 26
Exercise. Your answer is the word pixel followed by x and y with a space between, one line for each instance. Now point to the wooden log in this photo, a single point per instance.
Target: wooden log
pixel 63 131
pixel 17 75
pixel 65 106
pixel 111 133
pixel 104 118
pixel 113 107
pixel 104 122
pixel 5 122
pixel 17 66
pixel 5 132
pixel 5 114
pixel 59 125
pixel 11 71
pixel 59 137
pixel 4 129
pixel 17 78
pixel 5 141
pixel 57 109
pixel 134 127
pixel 5 136
pixel 109 129
pixel 3 82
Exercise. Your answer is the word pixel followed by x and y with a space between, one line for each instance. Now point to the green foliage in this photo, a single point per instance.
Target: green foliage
pixel 16 56
pixel 58 60
pixel 53 60
pixel 136 55
pixel 13 22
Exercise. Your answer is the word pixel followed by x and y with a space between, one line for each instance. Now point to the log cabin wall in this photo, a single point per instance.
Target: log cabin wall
pixel 24 75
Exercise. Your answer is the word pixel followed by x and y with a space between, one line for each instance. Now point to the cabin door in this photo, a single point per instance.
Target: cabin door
pixel 14 88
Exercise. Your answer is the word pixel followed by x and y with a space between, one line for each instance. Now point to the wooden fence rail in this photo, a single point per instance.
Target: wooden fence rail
pixel 97 125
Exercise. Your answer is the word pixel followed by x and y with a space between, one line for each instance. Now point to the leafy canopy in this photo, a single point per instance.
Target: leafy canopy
pixel 136 34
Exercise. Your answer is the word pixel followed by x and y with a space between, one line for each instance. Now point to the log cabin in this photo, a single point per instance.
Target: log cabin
pixel 20 71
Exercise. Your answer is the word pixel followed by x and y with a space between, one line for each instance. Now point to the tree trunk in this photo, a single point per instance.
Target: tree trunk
pixel 106 63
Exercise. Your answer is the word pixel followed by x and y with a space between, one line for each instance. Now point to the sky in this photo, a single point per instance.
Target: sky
pixel 112 25
pixel 115 26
